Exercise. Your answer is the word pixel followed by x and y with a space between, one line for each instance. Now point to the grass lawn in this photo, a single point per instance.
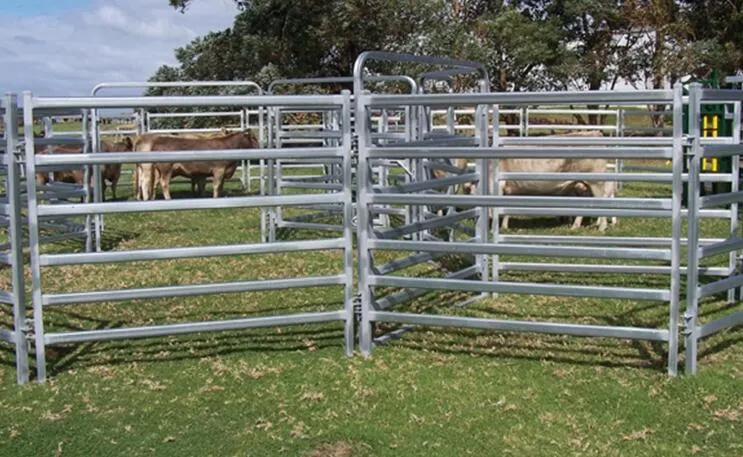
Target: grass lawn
pixel 291 391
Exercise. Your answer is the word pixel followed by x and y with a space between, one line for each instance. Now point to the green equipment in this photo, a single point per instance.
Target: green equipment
pixel 716 121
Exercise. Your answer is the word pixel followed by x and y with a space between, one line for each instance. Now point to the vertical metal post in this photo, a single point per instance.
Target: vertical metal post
pixel 348 291
pixel 676 222
pixel 33 236
pixel 245 172
pixel 408 137
pixel 415 211
pixel 481 230
pixel 495 189
pixel 278 172
pixel 363 230
pixel 48 133
pixel 262 141
pixel 619 162
pixel 734 187
pixel 138 123
pixel 692 291
pixel 15 235
pixel 93 148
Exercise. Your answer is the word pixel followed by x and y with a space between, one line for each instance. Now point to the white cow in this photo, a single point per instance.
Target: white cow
pixel 567 187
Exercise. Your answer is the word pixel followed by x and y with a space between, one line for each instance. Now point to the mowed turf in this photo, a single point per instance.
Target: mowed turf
pixel 291 390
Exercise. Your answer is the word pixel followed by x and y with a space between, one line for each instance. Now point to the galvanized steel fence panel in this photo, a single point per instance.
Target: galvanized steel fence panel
pixel 42 299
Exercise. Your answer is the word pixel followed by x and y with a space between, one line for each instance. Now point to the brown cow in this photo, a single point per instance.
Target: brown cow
pixel 196 181
pixel 110 172
pixel 218 169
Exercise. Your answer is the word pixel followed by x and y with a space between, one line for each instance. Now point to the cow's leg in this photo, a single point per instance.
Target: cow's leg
pixel 200 185
pixel 144 181
pixel 504 223
pixel 165 177
pixel 579 189
pixel 597 189
pixel 114 183
pixel 136 190
pixel 217 180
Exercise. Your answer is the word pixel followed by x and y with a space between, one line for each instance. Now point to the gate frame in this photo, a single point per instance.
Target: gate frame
pixel 18 336
pixel 40 300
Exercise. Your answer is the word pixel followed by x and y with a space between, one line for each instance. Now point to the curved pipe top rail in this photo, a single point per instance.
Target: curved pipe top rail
pixel 441 75
pixel 358 66
pixel 343 79
pixel 144 84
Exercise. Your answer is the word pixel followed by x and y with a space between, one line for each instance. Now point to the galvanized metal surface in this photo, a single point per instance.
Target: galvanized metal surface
pixel 341 153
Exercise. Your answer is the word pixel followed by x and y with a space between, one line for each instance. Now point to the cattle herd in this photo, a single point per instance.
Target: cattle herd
pixel 147 176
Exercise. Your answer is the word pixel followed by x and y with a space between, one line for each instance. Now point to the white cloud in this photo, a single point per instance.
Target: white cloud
pixel 114 40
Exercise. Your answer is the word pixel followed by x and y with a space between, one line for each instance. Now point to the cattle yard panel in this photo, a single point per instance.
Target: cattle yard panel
pixel 42 299
pixel 289 125
pixel 698 293
pixel 12 254
pixel 426 220
pixel 489 280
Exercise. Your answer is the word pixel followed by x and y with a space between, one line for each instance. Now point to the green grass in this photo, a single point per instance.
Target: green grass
pixel 291 391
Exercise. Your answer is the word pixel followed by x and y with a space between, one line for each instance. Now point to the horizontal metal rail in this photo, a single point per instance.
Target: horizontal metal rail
pixel 722 150
pixel 711 201
pixel 323 135
pixel 188 156
pixel 428 184
pixel 594 212
pixel 319 102
pixel 723 285
pixel 189 252
pixel 513 152
pixel 606 269
pixel 310 185
pixel 190 289
pixel 82 209
pixel 522 288
pixel 612 141
pixel 522 249
pixel 717 325
pixel 721 95
pixel 520 98
pixel 434 222
pixel 723 247
pixel 396 298
pixel 59 140
pixel 195 114
pixel 521 326
pixel 288 223
pixel 635 177
pixel 194 327
pixel 521 201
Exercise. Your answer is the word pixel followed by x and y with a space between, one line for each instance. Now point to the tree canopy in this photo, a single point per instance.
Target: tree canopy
pixel 525 44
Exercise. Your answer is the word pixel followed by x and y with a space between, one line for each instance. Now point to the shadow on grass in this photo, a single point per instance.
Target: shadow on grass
pixel 192 347
pixel 187 346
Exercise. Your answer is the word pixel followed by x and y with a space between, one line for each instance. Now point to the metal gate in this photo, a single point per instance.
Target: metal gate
pixel 39 207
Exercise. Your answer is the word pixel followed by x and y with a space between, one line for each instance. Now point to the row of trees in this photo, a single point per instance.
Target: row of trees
pixel 526 44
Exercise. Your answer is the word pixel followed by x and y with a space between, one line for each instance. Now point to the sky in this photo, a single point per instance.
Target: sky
pixel 66 47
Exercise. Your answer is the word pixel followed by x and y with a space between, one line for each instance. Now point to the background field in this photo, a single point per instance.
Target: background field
pixel 291 391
